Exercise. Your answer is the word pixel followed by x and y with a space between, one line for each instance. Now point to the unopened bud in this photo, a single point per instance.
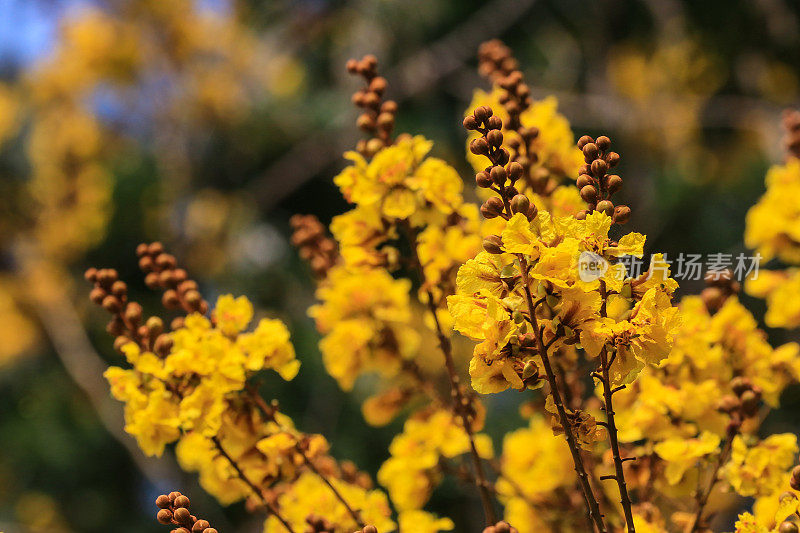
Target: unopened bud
pixel 493 244
pixel 520 204
pixel 622 213
pixel 604 206
pixel 589 194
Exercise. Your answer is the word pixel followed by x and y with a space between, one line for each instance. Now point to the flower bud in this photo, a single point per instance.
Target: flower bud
pixel 494 123
pixel 604 206
pixel 498 175
pixel 532 212
pixel 492 207
pixel 483 179
pixel 479 146
pixel 599 167
pixel 529 370
pixel 495 137
pixel 470 122
pixel 581 215
pixel 520 204
pixel 613 183
pixel 603 142
pixel 514 170
pixel 164 516
pixel 590 152
pixel 482 113
pixel 622 213
pixel 589 194
pixel 788 527
pixel 584 180
pixel 583 141
pixel 493 244
pixel 502 156
pixel 612 158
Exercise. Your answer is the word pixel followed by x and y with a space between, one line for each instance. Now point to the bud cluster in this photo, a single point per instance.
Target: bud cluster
pixel 742 404
pixel 597 186
pixel 497 63
pixel 313 244
pixel 721 286
pixel 318 524
pixel 367 529
pixel 378 116
pixel 180 292
pixel 174 509
pixel 126 324
pixel 791 126
pixel 501 174
pixel 500 527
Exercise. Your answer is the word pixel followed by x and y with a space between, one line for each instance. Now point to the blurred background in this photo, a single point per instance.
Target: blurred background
pixel 206 124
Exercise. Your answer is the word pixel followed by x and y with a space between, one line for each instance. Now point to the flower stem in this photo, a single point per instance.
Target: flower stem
pixel 702 498
pixel 591 501
pixel 611 426
pixel 273 510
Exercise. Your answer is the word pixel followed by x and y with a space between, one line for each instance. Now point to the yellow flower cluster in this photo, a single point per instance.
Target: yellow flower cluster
pixel 400 182
pixel 415 466
pixel 489 303
pixel 760 468
pixel 365 315
pixel 772 231
pixel 189 390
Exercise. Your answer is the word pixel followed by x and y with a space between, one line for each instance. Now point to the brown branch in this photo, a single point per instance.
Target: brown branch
pixel 611 426
pixel 269 412
pixel 460 402
pixel 591 501
pixel 253 487
pixel 702 497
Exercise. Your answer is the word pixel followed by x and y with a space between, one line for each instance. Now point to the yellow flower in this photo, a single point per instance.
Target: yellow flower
pixel 760 469
pixel 232 315
pixel 772 224
pixel 683 455
pixel 423 522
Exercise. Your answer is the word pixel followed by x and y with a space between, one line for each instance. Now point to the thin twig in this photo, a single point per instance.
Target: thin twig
pixel 459 400
pixel 591 501
pixel 702 498
pixel 253 487
pixel 611 426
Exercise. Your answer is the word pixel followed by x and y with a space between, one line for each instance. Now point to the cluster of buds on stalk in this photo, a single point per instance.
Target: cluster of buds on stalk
pixel 742 404
pixel 500 527
pixel 597 186
pixel 174 510
pixel 791 126
pixel 378 116
pixel 162 272
pixel 496 62
pixel 127 323
pixel 313 244
pixel 501 174
pixel 720 287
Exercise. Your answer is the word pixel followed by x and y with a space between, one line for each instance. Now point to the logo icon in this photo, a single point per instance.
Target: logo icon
pixel 591 266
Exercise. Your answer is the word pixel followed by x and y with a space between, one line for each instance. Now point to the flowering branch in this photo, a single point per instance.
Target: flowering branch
pixel 490 145
pixel 461 403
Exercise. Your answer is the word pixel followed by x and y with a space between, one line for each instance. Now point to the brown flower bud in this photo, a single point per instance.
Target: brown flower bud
pixel 605 206
pixel 788 527
pixel 164 516
pixel 599 167
pixel 389 106
pixel 162 502
pixel 498 175
pixel 590 152
pixel 112 304
pixel 532 212
pixel 495 138
pixel 365 122
pixel 492 207
pixel 470 122
pixel 378 84
pixel 483 180
pixel 482 113
pixel 181 514
pixel 622 213
pixel 613 183
pixel 479 146
pixel 200 526
pixel 502 156
pixel 589 194
pixel 520 204
pixel 750 403
pixel 182 501
pixel 612 158
pixel 583 141
pixel 385 121
pixel 494 123
pixel 581 215
pixel 97 295
pixel 584 180
pixel 170 299
pixel 603 143
pixel 514 170
pixel 493 244
pixel 90 274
